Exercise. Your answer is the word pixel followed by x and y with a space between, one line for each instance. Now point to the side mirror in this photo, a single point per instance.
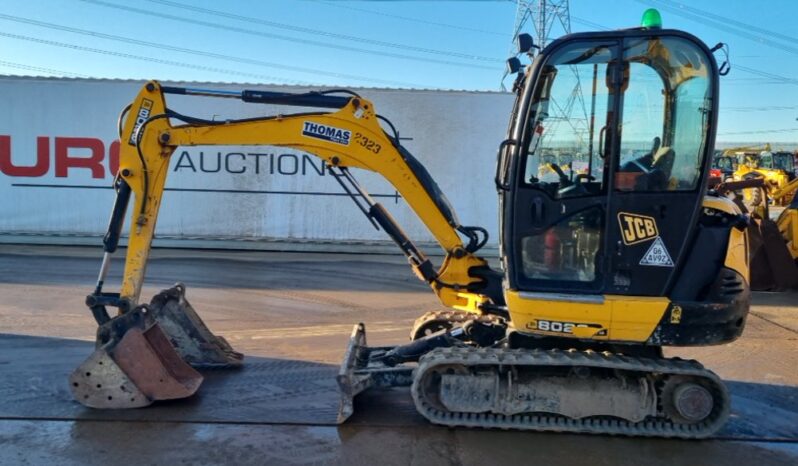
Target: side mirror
pixel 513 65
pixel 524 42
pixel 502 169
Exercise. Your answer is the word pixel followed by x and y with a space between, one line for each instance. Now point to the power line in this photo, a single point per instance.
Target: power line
pixel 249 61
pixel 762 131
pixel 746 69
pixel 765 74
pixel 764 108
pixel 407 18
pixel 23 66
pixel 760 73
pixel 319 32
pixel 293 40
pixel 704 19
pixel 740 24
pixel 145 58
pixel 585 22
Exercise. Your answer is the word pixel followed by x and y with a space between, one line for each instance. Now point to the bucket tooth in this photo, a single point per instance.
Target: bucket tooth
pixel 189 335
pixel 133 366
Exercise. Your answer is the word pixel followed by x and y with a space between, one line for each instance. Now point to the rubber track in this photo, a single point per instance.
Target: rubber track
pixel 657 427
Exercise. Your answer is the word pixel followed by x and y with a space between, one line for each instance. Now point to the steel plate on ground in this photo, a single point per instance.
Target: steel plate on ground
pixel 34 373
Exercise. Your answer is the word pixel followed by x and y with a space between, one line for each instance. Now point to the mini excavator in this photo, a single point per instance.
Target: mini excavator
pixel 604 260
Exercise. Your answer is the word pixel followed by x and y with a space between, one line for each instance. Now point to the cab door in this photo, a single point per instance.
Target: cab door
pixel 659 175
pixel 559 196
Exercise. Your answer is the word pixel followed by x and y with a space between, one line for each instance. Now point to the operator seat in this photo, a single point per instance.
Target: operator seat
pixel 651 172
pixel 661 168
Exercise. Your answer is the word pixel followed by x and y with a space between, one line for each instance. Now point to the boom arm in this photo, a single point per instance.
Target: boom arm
pixel 348 137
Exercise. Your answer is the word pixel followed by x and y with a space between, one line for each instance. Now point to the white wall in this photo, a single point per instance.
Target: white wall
pixel 455 134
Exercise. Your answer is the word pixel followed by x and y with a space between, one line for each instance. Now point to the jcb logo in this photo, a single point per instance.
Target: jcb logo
pixel 637 228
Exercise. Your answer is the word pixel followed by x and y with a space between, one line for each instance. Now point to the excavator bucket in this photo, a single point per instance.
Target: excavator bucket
pixel 147 354
pixel 189 335
pixel 134 367
pixel 772 266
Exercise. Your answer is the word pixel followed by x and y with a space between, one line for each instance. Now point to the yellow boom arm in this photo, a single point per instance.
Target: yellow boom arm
pixel 348 137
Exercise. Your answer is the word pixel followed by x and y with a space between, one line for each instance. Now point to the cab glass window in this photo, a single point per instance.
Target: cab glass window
pixel 567 251
pixel 569 116
pixel 784 161
pixel 666 88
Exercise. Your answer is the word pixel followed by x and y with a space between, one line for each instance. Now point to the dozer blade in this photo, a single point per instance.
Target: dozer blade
pixel 187 332
pixel 362 369
pixel 350 383
pixel 134 366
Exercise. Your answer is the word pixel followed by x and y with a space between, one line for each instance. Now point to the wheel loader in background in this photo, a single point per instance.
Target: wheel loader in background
pixel 600 268
pixel 777 169
pixel 729 160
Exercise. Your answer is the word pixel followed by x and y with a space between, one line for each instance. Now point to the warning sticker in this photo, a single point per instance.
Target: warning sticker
pixel 657 255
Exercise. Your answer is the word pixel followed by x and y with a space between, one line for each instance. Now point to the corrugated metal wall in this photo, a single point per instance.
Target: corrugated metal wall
pixel 265 194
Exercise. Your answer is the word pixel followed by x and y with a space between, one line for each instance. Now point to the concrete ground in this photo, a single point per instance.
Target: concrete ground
pixel 291 314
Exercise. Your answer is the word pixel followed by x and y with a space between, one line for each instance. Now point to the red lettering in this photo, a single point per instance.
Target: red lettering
pixel 113 158
pixel 63 162
pixel 42 158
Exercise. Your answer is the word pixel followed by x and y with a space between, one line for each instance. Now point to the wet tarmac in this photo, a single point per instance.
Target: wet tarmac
pixel 291 314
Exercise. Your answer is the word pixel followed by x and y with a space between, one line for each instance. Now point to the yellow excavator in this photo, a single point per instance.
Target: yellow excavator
pixel 777 169
pixel 599 269
pixel 729 160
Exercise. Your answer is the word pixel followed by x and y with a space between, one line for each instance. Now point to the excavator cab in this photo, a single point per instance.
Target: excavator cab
pixel 781 162
pixel 640 108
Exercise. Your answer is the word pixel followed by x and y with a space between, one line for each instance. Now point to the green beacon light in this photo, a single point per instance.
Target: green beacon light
pixel 651 19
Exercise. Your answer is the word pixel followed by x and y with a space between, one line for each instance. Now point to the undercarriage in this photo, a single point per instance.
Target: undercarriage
pixel 469 374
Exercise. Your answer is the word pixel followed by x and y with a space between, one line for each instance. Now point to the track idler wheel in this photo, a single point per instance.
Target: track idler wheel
pixel 686 401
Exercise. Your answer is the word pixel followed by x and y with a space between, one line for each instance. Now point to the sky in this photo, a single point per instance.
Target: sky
pixel 407 44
